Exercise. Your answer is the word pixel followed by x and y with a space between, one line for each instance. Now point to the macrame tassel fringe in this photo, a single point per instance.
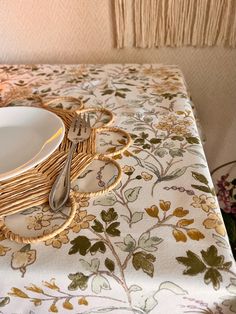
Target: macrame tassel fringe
pixel 175 23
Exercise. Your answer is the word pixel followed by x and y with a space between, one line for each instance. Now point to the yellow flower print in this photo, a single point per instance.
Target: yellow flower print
pixel 164 205
pixel 81 221
pixel 150 71
pixel 164 126
pixel 79 71
pixel 128 170
pixel 39 221
pixel 22 258
pixel 4 250
pixel 82 301
pixel 180 130
pixel 214 222
pixel 18 293
pixel 185 122
pixel 82 201
pixel 2 236
pixel 51 285
pixel 169 118
pixel 59 239
pixel 158 72
pixel 167 87
pixel 53 308
pixel 146 176
pixel 172 124
pixel 204 202
pixel 34 288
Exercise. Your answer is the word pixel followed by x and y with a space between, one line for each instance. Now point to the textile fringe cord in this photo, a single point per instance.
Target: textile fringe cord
pixel 175 23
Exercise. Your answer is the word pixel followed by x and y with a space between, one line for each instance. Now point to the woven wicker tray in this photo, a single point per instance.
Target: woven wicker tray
pixel 32 187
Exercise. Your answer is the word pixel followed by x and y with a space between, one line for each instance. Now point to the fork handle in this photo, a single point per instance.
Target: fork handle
pixel 61 187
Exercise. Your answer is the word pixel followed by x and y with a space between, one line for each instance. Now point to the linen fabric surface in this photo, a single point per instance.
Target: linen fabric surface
pixel 157 242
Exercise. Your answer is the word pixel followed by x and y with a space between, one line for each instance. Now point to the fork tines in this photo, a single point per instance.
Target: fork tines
pixel 80 121
pixel 74 122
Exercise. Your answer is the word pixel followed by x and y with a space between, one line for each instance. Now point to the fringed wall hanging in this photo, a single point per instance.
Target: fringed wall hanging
pixel 175 23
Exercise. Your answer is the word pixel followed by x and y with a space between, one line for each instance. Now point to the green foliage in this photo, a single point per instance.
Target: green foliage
pixel 210 263
pixel 112 229
pixel 201 178
pixel 4 301
pixel 98 227
pixel 110 265
pixel 144 261
pixel 193 263
pixel 128 245
pixel 192 140
pixel 79 280
pixel 109 216
pixel 132 194
pixel 80 244
pixel 97 247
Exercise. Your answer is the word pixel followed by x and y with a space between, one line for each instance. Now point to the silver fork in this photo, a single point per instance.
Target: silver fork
pixel 79 131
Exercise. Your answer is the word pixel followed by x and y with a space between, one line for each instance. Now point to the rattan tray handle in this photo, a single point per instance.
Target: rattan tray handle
pixel 22 239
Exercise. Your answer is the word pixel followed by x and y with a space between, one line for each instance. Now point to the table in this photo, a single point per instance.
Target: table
pixel 155 244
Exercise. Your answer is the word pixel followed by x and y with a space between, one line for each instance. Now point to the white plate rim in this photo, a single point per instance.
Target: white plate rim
pixel 34 161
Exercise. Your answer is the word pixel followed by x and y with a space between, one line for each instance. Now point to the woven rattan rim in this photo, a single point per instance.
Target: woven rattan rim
pixel 30 96
pixel 103 110
pixel 108 188
pixel 21 239
pixel 65 98
pixel 84 162
pixel 116 130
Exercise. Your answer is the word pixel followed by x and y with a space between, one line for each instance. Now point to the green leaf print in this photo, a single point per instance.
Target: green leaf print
pixel 211 258
pixel 79 280
pixel 161 152
pixel 99 282
pixel 131 195
pixel 213 276
pixel 107 92
pixel 80 244
pixel 112 229
pixel 177 138
pixel 155 140
pixel 110 265
pixel 109 215
pixel 98 227
pixel 192 140
pixel 176 152
pixel 193 263
pixel 148 243
pixel 211 264
pixel 90 267
pixel 128 245
pixel 202 188
pixel 4 301
pixel 98 247
pixel 136 217
pixel 144 261
pixel 108 200
pixel 200 177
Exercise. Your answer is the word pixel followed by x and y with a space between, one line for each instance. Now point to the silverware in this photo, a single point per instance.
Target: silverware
pixel 79 131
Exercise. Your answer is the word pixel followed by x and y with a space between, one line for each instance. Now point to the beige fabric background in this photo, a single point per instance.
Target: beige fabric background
pixel 81 31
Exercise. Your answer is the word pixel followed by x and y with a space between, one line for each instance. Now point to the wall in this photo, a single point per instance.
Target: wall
pixel 81 31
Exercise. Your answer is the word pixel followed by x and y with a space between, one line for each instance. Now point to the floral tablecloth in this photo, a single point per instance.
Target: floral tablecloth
pixel 155 244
